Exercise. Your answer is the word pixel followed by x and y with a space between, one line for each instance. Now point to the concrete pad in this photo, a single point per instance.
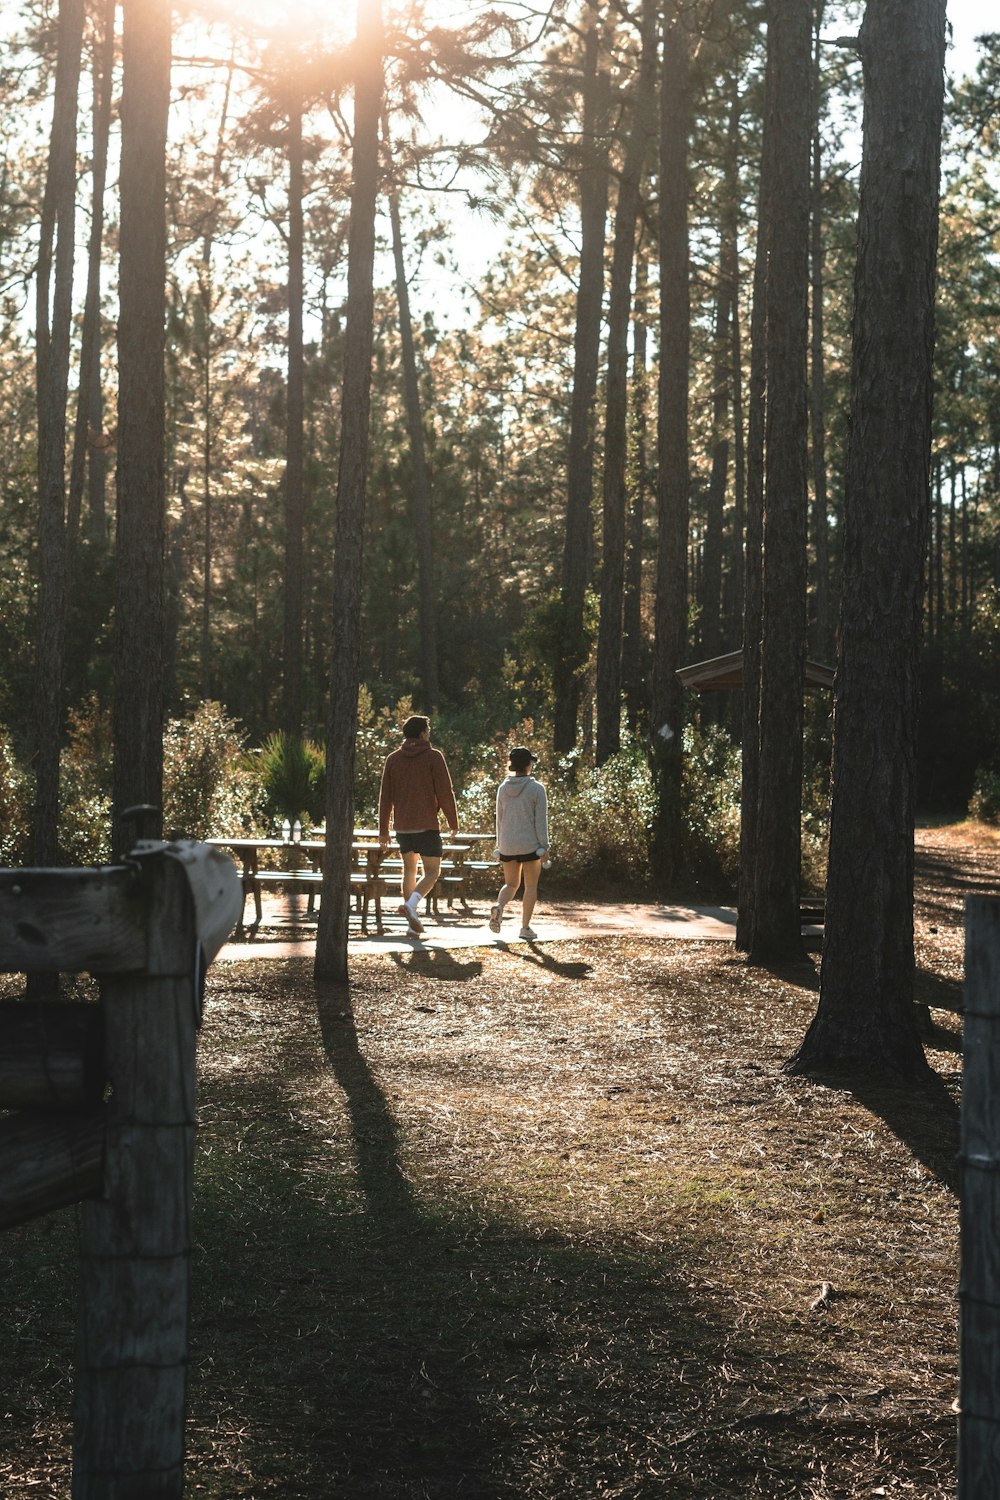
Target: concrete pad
pixel 289 933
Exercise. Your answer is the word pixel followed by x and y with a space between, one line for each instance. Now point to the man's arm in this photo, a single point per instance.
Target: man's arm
pixel 445 792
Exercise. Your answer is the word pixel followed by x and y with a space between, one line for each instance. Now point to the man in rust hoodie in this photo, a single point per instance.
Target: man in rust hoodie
pixel 415 787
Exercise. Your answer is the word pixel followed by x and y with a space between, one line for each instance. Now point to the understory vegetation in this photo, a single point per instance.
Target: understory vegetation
pixel 601 817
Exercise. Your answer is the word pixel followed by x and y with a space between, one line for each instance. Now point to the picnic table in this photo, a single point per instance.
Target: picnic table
pixel 374 871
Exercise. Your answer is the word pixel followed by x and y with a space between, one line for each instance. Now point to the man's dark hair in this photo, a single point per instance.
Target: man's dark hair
pixel 415 726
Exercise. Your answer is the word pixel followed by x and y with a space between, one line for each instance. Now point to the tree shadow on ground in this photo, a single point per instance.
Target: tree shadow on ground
pixel 924 1118
pixel 946 884
pixel 382 1335
pixel 938 991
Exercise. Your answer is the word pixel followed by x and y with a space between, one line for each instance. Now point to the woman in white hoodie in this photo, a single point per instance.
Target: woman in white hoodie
pixel 522 837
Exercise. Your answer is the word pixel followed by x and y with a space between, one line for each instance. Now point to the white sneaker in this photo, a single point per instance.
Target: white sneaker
pixel 528 933
pixel 414 921
pixel 496 917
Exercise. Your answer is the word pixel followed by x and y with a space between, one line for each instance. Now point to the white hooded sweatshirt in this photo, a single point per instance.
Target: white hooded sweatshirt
pixel 522 821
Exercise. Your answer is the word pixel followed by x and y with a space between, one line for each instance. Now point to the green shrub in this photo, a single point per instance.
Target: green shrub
pixel 209 785
pixel 711 796
pixel 815 828
pixel 478 770
pixel 984 803
pixel 710 808
pixel 292 775
pixel 600 818
pixel 15 805
pixel 85 786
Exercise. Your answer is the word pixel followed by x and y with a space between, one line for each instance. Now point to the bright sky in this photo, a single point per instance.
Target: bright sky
pixel 968 18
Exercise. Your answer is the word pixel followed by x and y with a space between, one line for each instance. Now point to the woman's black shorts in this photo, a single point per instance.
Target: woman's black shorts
pixel 428 842
pixel 522 859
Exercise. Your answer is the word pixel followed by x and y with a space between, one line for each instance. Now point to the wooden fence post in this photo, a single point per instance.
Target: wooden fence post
pixel 135 1241
pixel 979 1293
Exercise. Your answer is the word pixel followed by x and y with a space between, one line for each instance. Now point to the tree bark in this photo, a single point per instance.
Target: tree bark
pixel 673 482
pixel 294 486
pixel 609 636
pixel 711 581
pixel 331 935
pixel 138 637
pixel 822 631
pixel 423 519
pixel 206 301
pixel 53 306
pixel 729 270
pixel 87 434
pixel 752 577
pixel 635 649
pixel 578 545
pixel 864 1023
pixel 777 934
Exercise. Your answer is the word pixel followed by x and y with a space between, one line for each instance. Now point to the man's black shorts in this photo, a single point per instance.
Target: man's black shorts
pixel 428 842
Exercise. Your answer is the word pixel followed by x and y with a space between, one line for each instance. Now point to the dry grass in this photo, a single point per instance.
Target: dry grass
pixel 547 1223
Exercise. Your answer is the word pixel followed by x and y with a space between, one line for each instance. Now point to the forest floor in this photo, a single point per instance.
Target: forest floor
pixel 548 1221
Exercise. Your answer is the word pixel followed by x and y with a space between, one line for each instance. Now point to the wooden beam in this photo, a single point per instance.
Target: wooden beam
pixel 51 1055
pixel 72 921
pixel 135 1243
pixel 48 1161
pixel 979 1289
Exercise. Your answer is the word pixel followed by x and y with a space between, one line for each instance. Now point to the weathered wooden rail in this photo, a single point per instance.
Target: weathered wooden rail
pixel 979 1293
pixel 102 1099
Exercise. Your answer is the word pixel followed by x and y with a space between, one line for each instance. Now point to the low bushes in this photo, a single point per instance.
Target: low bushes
pixel 601 818
pixel 85 787
pixel 208 785
pixel 984 804
pixel 288 778
pixel 15 805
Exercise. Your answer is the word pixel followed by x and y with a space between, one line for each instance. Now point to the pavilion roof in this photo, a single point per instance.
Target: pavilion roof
pixel 726 672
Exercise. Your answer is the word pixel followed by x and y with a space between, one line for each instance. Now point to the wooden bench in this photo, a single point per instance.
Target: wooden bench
pixel 375 873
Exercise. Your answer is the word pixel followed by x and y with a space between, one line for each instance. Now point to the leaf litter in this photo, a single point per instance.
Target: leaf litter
pixel 547 1224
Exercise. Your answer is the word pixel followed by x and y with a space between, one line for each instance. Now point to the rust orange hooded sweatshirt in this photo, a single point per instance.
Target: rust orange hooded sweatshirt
pixel 415 785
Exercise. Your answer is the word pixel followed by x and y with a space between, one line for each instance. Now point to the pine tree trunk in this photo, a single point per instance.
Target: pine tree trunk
pixel 53 303
pixel 777 935
pixel 331 935
pixel 635 650
pixel 294 486
pixel 730 628
pixel 89 404
pixel 753 552
pixel 578 545
pixel 711 580
pixel 609 637
pixel 865 1020
pixel 423 519
pixel 206 353
pixel 822 618
pixel 673 498
pixel 138 638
